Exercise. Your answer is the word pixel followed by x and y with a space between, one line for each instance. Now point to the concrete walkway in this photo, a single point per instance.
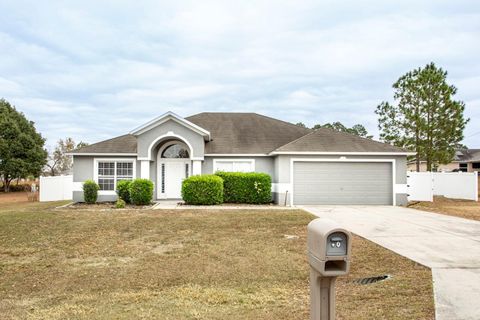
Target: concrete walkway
pixel 448 245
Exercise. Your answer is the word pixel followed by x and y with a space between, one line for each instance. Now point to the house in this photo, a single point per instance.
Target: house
pixel 465 160
pixel 307 166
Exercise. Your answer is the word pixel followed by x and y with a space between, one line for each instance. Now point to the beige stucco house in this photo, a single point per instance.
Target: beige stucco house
pixel 466 160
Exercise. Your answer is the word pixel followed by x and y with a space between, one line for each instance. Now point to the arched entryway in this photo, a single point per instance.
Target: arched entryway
pixel 173 166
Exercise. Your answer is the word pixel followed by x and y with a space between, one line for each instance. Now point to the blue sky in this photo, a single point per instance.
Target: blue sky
pixel 96 69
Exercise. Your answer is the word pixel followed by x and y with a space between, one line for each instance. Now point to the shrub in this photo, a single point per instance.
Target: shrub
pixel 141 191
pixel 246 187
pixel 123 190
pixel 203 190
pixel 18 187
pixel 90 191
pixel 120 204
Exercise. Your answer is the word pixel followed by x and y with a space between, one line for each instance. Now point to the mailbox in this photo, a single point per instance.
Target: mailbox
pixel 329 251
pixel 329 247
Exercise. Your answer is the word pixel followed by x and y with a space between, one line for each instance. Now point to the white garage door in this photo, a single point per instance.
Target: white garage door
pixel 342 183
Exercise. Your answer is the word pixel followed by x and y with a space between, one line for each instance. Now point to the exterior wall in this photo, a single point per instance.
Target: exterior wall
pixel 78 197
pixel 471 169
pixel 145 139
pixel 282 170
pixel 276 172
pixel 279 194
pixel 83 167
pixel 262 164
pixel 443 167
pixel 153 170
pixel 448 167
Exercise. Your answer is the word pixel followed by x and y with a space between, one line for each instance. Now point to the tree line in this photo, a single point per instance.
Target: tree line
pixel 358 129
pixel 22 149
pixel 424 117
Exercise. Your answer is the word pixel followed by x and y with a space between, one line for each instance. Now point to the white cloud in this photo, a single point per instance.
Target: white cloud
pixel 94 70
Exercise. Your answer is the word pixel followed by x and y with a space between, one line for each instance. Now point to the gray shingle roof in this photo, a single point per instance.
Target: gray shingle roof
pixel 251 133
pixel 328 140
pixel 122 144
pixel 238 133
pixel 467 155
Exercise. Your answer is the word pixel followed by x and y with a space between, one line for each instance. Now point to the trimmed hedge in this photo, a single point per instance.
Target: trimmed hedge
pixel 123 190
pixel 141 191
pixel 203 190
pixel 90 191
pixel 246 187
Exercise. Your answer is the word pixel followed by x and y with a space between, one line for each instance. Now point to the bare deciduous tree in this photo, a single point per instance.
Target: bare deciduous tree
pixel 59 162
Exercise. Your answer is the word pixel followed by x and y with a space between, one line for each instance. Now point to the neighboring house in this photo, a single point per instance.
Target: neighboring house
pixel 465 160
pixel 306 166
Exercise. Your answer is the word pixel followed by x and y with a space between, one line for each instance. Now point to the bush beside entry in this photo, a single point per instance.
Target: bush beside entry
pixel 203 190
pixel 90 191
pixel 120 204
pixel 123 190
pixel 246 187
pixel 141 191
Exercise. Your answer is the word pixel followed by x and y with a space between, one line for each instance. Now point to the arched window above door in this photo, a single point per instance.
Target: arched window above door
pixel 175 151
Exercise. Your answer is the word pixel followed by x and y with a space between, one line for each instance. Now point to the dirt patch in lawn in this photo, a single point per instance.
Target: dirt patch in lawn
pixel 103 206
pixel 453 207
pixel 13 197
pixel 186 264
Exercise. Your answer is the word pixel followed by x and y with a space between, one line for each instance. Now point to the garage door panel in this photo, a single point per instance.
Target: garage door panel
pixel 342 183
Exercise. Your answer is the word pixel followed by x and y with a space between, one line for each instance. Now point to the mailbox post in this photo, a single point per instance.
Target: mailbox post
pixel 329 250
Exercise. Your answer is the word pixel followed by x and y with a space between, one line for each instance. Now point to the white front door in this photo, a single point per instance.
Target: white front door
pixel 171 173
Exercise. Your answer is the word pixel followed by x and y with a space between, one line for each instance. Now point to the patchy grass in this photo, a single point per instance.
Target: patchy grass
pixel 185 264
pixel 452 207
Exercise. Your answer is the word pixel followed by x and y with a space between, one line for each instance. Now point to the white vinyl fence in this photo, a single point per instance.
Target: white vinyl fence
pixel 56 188
pixel 422 186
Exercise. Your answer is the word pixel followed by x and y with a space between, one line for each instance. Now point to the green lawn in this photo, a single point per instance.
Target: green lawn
pixel 205 264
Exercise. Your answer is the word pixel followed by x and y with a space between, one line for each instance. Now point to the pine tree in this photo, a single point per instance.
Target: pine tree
pixel 425 118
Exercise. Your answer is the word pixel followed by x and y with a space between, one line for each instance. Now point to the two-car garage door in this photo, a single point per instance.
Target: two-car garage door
pixel 342 183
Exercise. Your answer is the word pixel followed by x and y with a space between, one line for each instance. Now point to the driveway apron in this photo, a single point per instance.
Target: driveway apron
pixel 450 246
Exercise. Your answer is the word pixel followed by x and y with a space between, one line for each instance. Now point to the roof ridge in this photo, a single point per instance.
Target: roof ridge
pixel 283 121
pixel 293 141
pixel 308 130
pixel 220 112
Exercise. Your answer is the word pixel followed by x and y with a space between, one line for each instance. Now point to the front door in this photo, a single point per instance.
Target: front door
pixel 171 174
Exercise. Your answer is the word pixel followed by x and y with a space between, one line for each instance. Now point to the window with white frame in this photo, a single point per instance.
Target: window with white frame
pixel 110 172
pixel 234 165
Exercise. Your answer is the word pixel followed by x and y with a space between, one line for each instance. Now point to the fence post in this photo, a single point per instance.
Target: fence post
pixel 476 185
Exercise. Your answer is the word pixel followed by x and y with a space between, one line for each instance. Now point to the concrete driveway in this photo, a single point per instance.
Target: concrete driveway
pixel 448 245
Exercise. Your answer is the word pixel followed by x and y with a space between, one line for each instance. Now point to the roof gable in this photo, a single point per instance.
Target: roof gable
pixel 170 116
